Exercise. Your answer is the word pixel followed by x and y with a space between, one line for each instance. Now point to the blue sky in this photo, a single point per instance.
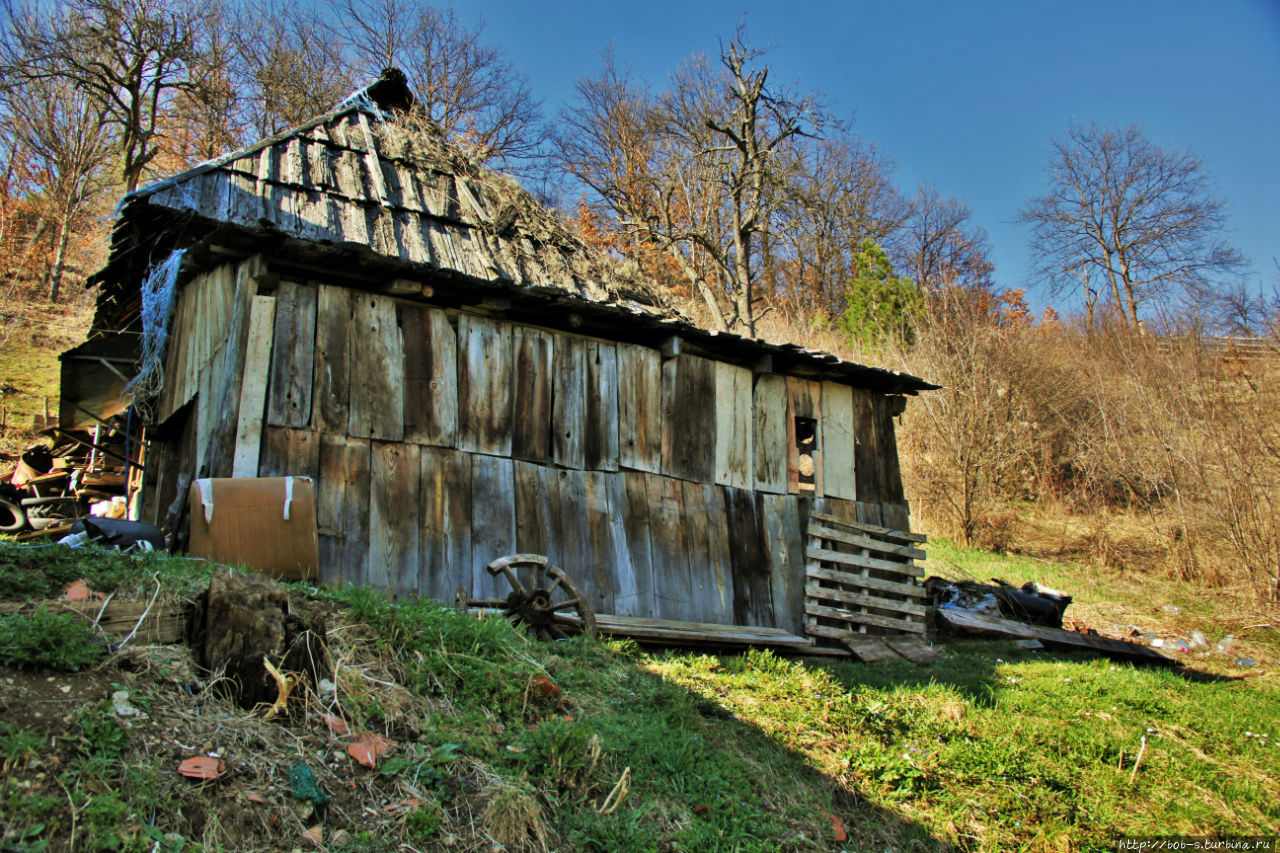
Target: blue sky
pixel 967 94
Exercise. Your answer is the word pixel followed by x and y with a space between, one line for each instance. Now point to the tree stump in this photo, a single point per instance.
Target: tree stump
pixel 243 618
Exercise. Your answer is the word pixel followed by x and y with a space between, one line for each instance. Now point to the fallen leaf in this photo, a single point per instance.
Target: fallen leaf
pixel 202 767
pixel 316 834
pixel 838 826
pixel 368 748
pixel 79 591
pixel 544 688
pixel 255 798
pixel 701 810
pixel 336 724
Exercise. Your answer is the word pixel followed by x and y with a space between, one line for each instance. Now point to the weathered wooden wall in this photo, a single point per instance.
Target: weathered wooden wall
pixel 442 439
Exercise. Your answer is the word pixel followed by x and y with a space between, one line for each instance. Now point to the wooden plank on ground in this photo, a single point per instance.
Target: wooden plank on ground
pixel 820 531
pixel 914 649
pixel 532 383
pixel 493 522
pixel 394 518
pixel 639 408
pixel 735 426
pixel 749 558
pixel 672 586
pixel 568 402
pixel 484 385
pixel 784 541
pixel 1114 649
pixel 292 356
pixel 817 592
pixel 445 535
pixel 342 509
pixel 870 650
pixel 878 530
pixel 698 633
pixel 770 439
pixel 688 418
pixel 330 392
pixel 862 562
pixel 376 358
pixel 635 522
pixel 600 438
pixel 163 623
pixel 837 441
pixel 813 570
pixel 253 393
pixel 430 375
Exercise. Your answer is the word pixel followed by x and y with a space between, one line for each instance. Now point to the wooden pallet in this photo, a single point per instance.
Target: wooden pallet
pixel 862 587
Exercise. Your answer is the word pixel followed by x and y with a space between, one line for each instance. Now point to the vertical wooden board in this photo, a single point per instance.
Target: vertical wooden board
pixel 734 426
pixel 571 547
pixel 639 408
pixel 607 542
pixel 331 388
pixel 292 356
pixel 770 439
pixel 445 536
pixel 704 598
pixel 342 509
pixel 376 358
pixel 636 527
pixel 430 375
pixel 289 453
pixel 536 490
pixel 719 555
pixel 206 415
pixel 866 465
pixel 220 454
pixel 868 512
pixel 671 583
pixel 394 518
pixel 784 541
pixel 688 418
pixel 484 385
pixel 749 555
pixel 493 522
pixel 805 401
pixel 568 402
pixel 626 582
pixel 838 479
pixel 887 442
pixel 600 441
pixel 253 393
pixel 531 395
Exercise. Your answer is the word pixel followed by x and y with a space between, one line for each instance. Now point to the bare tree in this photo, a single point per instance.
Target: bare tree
pixel 468 89
pixel 1127 218
pixel 132 57
pixel 938 248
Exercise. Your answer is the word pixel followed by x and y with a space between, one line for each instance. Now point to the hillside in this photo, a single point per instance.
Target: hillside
pixel 496 742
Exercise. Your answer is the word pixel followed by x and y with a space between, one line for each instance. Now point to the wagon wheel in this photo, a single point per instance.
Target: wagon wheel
pixel 547 601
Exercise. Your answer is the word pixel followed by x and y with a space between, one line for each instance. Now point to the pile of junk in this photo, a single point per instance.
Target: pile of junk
pixel 1032 603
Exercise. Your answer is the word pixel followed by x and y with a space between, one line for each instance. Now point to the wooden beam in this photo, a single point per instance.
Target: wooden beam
pixel 253 392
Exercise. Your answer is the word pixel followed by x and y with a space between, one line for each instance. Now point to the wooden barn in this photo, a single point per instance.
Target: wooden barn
pixel 356 301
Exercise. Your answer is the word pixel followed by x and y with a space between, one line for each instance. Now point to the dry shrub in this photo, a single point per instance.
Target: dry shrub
pixel 513 816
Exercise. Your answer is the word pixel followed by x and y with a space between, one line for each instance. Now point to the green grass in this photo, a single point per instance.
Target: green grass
pixel 35 572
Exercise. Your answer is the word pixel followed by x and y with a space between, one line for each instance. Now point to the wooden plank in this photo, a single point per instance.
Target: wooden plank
pixel 837 441
pixel 887 441
pixel 866 451
pixel 826 593
pixel 292 356
pixel 719 553
pixel 484 385
pixel 289 453
pixel 376 357
pixel 707 602
pixel 430 375
pixel 804 403
pixel 735 426
pixel 784 542
pixel 394 518
pixel 330 393
pixel 749 559
pixel 162 623
pixel 253 393
pixel 535 491
pixel 570 549
pixel 531 393
pixel 698 633
pixel 878 530
pixel 896 516
pixel 869 650
pixel 639 408
pixel 1115 649
pixel 861 618
pixel 672 586
pixel 493 522
pixel 820 531
pixel 635 522
pixel 444 562
pixel 569 405
pixel 813 570
pixel 914 649
pixel 688 418
pixel 607 557
pixel 600 438
pixel 342 509
pixel 862 561
pixel 626 580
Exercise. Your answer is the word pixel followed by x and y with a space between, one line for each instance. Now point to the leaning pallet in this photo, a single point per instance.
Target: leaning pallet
pixel 861 589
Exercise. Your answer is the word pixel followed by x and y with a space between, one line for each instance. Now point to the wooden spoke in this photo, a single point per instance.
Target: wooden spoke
pixel 551 606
